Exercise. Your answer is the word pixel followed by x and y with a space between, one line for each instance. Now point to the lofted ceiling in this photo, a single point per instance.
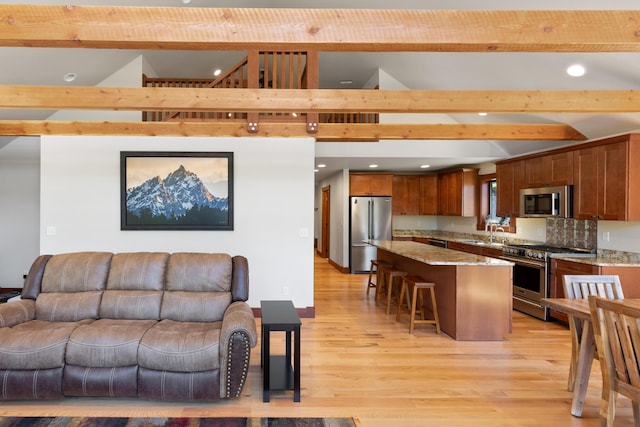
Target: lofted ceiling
pixel 397 70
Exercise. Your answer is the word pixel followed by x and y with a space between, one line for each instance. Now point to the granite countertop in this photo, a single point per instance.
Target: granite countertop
pixel 604 257
pixel 604 260
pixel 433 255
pixel 469 239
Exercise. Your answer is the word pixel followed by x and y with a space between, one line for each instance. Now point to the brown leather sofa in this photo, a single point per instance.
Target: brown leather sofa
pixel 148 324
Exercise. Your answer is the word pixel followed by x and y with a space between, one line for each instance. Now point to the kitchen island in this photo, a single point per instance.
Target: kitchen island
pixel 474 293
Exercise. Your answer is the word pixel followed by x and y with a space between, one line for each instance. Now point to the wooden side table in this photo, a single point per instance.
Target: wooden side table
pixel 278 373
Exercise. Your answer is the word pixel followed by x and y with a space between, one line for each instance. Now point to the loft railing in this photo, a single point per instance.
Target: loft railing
pixel 349 118
pixel 275 70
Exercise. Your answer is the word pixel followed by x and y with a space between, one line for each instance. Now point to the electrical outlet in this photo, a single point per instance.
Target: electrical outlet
pixel 285 290
pixel 605 236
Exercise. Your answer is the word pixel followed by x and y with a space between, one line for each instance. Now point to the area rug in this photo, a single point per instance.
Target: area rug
pixel 173 422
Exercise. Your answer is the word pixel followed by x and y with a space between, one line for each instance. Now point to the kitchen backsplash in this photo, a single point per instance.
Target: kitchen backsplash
pixel 573 233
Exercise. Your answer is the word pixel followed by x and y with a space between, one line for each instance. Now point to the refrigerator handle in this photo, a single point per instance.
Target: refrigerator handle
pixel 371 219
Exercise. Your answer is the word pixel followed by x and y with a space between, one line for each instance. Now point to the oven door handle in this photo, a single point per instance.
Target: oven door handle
pixel 524 261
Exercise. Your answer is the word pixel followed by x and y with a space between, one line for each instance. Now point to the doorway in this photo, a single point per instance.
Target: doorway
pixel 326 223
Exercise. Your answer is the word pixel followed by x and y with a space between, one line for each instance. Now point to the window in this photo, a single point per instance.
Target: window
pixel 493 198
pixel 488 204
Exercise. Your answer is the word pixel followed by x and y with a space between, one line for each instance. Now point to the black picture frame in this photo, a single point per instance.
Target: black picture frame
pixel 170 190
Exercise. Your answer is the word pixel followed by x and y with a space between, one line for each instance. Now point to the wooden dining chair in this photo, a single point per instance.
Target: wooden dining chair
pixel 582 286
pixel 616 329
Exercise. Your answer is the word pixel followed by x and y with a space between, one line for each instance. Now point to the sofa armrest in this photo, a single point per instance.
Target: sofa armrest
pixel 237 336
pixel 16 312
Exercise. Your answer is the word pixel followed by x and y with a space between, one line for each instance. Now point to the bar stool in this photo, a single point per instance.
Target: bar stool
pixel 388 276
pixel 415 284
pixel 375 266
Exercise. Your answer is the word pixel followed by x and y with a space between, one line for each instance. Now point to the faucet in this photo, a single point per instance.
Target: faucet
pixel 493 228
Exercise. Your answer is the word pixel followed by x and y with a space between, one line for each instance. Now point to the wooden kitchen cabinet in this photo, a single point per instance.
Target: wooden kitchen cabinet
pixel 549 170
pixel 406 195
pixel 428 194
pixel 605 180
pixel 370 184
pixel 629 278
pixel 457 192
pixel 561 268
pixel 510 179
pixel 415 194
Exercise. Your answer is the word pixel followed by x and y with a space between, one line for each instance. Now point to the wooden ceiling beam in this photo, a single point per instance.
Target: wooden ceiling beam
pixel 318 100
pixel 320 29
pixel 326 132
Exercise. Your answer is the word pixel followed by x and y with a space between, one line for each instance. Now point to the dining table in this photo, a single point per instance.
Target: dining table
pixel 579 310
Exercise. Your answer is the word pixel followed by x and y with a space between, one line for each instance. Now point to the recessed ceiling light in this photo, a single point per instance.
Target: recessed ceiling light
pixel 217 72
pixel 482 114
pixel 373 166
pixel 322 166
pixel 69 77
pixel 576 70
pixel 425 166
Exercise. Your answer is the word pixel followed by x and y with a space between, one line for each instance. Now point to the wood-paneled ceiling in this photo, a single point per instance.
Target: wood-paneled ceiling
pixel 524 111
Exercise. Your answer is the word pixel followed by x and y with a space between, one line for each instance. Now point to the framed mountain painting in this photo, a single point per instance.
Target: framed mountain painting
pixel 176 190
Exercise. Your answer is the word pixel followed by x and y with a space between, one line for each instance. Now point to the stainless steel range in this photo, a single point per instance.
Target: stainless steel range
pixel 531 274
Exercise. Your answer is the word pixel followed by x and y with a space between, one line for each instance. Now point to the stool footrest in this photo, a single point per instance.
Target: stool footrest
pixel 411 287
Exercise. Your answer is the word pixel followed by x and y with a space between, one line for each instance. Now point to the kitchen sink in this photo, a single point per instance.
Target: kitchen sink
pixel 481 242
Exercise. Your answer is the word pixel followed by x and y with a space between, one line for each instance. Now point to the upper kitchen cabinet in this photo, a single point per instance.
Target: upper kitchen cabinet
pixel 428 194
pixel 457 192
pixel 606 175
pixel 510 179
pixel 370 184
pixel 406 195
pixel 549 170
pixel 415 194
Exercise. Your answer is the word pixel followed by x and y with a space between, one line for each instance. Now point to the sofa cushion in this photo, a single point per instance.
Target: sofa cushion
pixel 195 306
pixel 68 306
pixel 131 305
pixel 199 272
pixel 107 343
pixel 138 271
pixel 181 347
pixel 36 344
pixel 76 272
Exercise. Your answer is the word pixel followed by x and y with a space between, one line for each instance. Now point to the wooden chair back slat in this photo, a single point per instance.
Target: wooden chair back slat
pixel 581 286
pixel 616 329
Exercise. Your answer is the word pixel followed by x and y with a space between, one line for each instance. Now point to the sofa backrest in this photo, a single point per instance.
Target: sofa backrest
pixel 144 285
pixel 72 286
pixel 198 287
pixel 135 286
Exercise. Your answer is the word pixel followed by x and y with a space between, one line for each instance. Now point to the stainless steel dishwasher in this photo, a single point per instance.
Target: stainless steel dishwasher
pixel 438 242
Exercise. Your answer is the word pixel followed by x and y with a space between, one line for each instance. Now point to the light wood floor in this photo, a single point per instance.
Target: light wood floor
pixel 358 362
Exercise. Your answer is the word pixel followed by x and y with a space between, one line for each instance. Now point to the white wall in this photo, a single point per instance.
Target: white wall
pixel 619 235
pixel 338 217
pixel 20 212
pixel 273 189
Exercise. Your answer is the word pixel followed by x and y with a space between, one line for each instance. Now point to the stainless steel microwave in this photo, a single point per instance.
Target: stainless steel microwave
pixel 544 202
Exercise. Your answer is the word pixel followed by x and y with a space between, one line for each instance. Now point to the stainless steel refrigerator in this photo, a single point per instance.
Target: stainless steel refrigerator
pixel 370 220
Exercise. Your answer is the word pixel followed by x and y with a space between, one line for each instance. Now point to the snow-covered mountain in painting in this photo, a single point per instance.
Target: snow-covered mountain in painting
pixel 172 196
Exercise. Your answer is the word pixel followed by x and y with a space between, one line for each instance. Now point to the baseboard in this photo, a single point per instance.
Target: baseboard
pixel 341 269
pixel 308 312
